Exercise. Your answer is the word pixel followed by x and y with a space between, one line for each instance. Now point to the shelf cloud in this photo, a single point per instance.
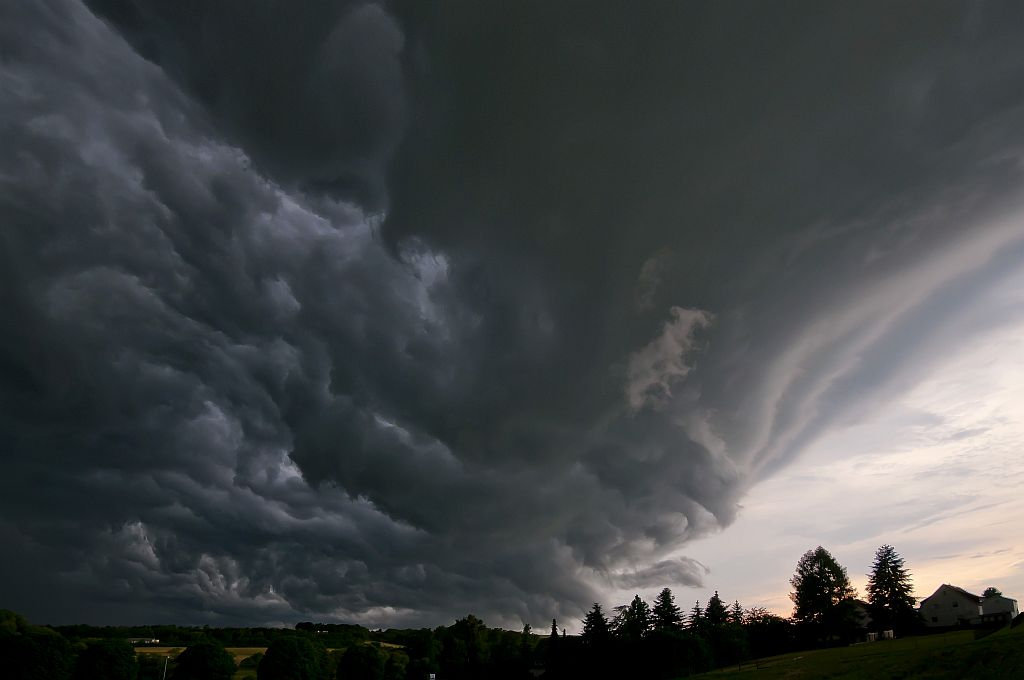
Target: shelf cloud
pixel 386 313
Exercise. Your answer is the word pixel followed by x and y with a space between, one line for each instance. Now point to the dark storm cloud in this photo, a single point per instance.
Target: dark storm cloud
pixel 631 261
pixel 313 90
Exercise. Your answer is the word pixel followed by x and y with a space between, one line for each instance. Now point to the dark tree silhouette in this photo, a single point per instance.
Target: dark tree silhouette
pixel 665 614
pixel 30 652
pixel 595 627
pixel 736 613
pixel 465 652
pixel 526 646
pixel 360 662
pixel 107 660
pixel 890 599
pixel 204 661
pixel 822 595
pixel 632 622
pixel 767 634
pixel 992 591
pixel 696 616
pixel 151 666
pixel 293 658
pixel 715 613
pixel 396 665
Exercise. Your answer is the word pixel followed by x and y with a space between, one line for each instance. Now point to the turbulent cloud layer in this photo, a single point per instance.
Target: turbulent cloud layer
pixel 387 313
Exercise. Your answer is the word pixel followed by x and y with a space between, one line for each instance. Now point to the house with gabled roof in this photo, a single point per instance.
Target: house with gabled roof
pixel 951 606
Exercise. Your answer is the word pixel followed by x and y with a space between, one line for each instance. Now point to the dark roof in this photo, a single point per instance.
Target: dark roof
pixel 970 596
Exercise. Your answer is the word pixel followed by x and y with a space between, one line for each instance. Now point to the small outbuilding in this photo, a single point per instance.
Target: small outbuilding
pixel 998 608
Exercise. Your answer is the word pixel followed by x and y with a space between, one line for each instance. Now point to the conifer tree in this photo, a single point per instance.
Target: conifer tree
pixel 890 599
pixel 632 622
pixel 696 616
pixel 715 613
pixel 736 613
pixel 554 629
pixel 665 614
pixel 595 627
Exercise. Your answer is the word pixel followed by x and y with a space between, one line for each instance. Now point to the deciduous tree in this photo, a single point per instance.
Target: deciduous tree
pixel 359 662
pixel 822 594
pixel 204 661
pixel 106 660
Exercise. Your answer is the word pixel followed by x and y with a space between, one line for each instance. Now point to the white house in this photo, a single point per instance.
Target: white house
pixel 951 606
pixel 998 608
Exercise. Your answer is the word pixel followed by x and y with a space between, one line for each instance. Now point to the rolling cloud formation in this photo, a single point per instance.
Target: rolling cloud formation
pixel 386 313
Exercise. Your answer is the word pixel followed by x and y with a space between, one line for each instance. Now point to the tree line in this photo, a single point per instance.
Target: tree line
pixel 636 639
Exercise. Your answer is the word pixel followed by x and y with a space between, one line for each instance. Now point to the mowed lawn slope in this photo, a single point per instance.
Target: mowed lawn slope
pixel 952 656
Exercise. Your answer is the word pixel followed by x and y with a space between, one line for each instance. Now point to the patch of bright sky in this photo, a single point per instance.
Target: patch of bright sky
pixel 937 472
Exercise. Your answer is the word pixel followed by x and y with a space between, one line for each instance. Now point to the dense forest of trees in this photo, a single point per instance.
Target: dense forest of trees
pixel 636 639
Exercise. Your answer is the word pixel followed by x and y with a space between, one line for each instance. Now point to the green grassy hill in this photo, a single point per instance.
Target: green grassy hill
pixel 952 656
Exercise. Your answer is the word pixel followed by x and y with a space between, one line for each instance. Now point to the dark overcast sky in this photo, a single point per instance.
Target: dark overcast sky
pixel 389 312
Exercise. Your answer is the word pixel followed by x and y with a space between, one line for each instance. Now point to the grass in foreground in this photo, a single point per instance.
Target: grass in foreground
pixel 952 656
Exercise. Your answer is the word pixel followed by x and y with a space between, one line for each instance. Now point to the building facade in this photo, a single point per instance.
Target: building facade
pixel 951 606
pixel 998 608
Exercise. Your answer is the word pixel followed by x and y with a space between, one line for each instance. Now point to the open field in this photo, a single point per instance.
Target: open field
pixel 951 656
pixel 238 653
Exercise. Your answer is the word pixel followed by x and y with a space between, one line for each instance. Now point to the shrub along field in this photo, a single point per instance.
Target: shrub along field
pixel 951 656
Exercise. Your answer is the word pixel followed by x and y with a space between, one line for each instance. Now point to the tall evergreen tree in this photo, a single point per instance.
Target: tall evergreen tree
pixel 665 614
pixel 715 613
pixel 890 591
pixel 822 594
pixel 595 627
pixel 696 616
pixel 736 613
pixel 554 629
pixel 632 622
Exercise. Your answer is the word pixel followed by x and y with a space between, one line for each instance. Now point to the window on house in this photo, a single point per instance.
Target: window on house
pixel 935 619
